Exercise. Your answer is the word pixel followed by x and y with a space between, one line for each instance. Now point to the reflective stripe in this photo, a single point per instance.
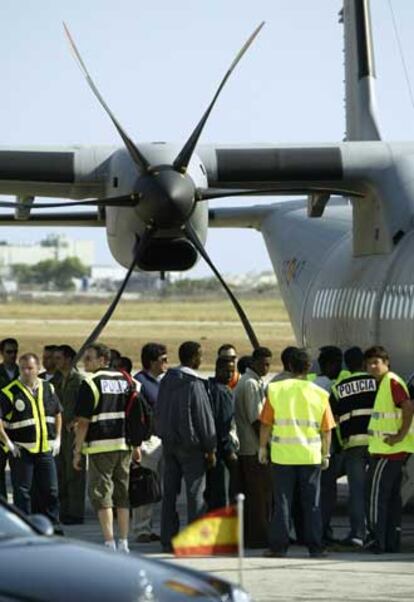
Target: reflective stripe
pixel 361 439
pixel 378 415
pixel 296 422
pixel 105 445
pixel 108 416
pixel 51 419
pixel 353 413
pixel 18 425
pixel 381 433
pixel 296 440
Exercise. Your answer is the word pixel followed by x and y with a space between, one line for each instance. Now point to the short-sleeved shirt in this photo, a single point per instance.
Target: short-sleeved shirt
pixel 249 396
pixel 268 415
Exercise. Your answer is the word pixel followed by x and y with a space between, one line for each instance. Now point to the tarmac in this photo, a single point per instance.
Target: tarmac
pixel 342 576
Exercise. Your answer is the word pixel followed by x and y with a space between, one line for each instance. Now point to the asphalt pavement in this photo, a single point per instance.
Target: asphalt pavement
pixel 342 576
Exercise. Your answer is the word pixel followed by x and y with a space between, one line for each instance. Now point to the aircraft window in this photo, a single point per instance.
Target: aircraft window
pixel 332 303
pixel 387 310
pixel 408 296
pixel 394 304
pixel 401 304
pixel 336 313
pixel 361 308
pixel 383 303
pixel 315 304
pixel 356 304
pixel 347 302
pixel 371 305
pixel 318 307
pixel 339 303
pixel 325 302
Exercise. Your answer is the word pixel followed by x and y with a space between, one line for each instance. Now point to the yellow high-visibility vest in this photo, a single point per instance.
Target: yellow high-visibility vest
pixel 298 407
pixel 386 419
pixel 30 424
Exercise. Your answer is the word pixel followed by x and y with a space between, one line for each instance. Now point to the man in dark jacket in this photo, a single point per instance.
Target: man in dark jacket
pixel 184 421
pixel 222 404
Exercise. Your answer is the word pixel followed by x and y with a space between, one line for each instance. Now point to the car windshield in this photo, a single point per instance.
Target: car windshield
pixel 11 525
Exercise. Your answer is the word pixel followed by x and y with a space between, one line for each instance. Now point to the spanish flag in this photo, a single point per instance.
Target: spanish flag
pixel 213 533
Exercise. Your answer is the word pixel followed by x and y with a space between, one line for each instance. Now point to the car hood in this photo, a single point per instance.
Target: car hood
pixel 59 569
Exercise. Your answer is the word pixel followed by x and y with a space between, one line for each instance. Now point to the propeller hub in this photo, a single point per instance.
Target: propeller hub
pixel 166 197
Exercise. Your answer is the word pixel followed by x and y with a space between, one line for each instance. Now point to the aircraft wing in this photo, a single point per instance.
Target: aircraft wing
pixel 67 172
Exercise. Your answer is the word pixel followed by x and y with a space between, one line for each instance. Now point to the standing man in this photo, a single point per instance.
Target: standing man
pixel 154 360
pixel 101 434
pixel 352 399
pixel 391 440
pixel 71 482
pixel 298 419
pixel 184 421
pixel 222 487
pixel 228 351
pixel 249 401
pixel 9 370
pixel 30 427
pixel 49 363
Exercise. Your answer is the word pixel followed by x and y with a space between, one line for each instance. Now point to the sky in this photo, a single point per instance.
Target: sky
pixel 158 64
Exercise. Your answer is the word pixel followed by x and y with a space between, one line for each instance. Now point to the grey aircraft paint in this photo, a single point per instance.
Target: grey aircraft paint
pixel 346 277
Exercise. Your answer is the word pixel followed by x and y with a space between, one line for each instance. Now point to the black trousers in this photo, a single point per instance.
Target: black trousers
pixel 384 506
pixel 257 488
pixel 3 462
pixel 284 479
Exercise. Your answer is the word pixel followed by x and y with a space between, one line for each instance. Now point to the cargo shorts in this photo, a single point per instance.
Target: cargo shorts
pixel 109 479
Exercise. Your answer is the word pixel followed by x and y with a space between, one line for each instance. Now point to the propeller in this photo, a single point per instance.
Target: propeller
pixel 139 250
pixel 129 200
pixel 165 195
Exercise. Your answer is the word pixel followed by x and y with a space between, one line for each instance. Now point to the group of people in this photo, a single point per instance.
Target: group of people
pixel 282 441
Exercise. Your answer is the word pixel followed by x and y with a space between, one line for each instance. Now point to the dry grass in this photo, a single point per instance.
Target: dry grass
pixel 212 322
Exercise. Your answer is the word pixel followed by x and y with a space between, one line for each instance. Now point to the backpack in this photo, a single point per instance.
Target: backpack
pixel 139 416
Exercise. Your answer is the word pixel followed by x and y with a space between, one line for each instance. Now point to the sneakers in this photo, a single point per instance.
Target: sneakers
pixel 123 546
pixel 355 543
pixel 111 545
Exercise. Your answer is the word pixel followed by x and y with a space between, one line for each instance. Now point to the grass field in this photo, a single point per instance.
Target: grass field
pixel 212 322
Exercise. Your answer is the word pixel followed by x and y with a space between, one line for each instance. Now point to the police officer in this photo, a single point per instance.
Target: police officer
pixel 30 426
pixel 101 434
pixel 298 418
pixel 352 399
pixel 391 440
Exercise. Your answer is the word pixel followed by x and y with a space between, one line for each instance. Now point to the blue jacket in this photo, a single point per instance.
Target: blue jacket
pixel 183 415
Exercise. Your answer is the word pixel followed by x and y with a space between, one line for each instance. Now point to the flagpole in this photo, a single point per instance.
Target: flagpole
pixel 240 524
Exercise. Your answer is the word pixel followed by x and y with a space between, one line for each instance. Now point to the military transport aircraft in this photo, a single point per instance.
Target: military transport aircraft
pixel 342 255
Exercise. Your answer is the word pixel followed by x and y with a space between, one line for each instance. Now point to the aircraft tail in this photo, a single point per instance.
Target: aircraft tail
pixel 360 98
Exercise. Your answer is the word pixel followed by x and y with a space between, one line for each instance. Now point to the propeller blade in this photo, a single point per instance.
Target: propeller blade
pixel 183 158
pixel 135 154
pixel 129 200
pixel 108 314
pixel 193 237
pixel 205 194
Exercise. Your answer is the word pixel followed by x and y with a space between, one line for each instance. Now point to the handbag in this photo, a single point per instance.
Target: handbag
pixel 144 486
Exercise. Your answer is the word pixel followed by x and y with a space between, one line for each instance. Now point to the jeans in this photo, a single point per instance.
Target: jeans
pixel 356 465
pixel 284 480
pixel 40 468
pixel 191 466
